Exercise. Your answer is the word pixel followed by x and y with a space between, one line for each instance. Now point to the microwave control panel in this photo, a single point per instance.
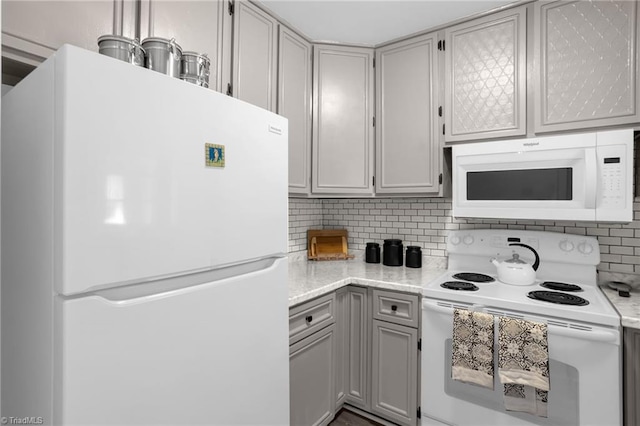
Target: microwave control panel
pixel 613 177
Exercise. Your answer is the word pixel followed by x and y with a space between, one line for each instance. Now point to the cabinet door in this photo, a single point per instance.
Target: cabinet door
pixel 33 30
pixel 343 120
pixel 197 26
pixel 587 64
pixel 358 326
pixel 485 77
pixel 311 373
pixel 342 345
pixel 407 147
pixel 294 103
pixel 254 55
pixel 631 377
pixel 394 372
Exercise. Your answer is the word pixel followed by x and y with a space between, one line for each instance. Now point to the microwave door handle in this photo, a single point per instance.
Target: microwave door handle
pixel 591 178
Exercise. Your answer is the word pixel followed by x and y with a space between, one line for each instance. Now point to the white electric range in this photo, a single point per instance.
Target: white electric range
pixel 584 335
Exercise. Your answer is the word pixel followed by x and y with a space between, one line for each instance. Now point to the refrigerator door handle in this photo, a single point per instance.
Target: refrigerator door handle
pixel 174 286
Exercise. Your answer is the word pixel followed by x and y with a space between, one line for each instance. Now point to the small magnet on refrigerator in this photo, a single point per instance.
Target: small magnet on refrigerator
pixel 214 155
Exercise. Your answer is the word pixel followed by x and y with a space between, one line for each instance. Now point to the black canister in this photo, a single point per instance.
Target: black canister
pixel 414 257
pixel 392 252
pixel 372 253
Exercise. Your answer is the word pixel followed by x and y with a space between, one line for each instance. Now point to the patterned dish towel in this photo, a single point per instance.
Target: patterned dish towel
pixel 472 352
pixel 524 365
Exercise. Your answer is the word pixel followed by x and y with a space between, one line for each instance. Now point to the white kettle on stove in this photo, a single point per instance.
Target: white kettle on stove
pixel 516 271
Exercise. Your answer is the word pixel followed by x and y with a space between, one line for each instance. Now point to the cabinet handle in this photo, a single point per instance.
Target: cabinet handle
pixel 309 319
pixel 394 308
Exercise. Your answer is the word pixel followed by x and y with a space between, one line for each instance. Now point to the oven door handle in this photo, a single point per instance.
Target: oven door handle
pixel 602 335
pixel 606 336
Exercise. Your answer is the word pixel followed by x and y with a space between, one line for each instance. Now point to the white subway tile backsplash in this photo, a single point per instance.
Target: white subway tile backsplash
pixel 426 222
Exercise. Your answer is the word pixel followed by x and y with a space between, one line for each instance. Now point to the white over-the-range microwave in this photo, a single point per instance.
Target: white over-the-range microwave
pixel 577 177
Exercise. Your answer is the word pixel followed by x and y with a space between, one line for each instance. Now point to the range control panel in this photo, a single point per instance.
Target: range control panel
pixel 565 248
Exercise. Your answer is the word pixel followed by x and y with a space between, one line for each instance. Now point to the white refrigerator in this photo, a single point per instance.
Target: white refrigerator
pixel 144 240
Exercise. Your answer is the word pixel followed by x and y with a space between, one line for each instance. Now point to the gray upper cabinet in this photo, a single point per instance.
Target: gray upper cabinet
pixel 294 103
pixel 33 30
pixel 254 56
pixel 408 154
pixel 197 26
pixel 343 120
pixel 587 64
pixel 485 77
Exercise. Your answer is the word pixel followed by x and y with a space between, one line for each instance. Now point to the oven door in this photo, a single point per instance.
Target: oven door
pixel 508 180
pixel 584 373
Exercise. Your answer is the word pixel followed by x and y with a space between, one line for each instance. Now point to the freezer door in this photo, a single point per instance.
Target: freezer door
pixel 134 196
pixel 209 354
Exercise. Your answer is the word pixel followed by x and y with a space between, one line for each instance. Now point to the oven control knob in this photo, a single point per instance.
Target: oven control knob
pixel 468 240
pixel 585 248
pixel 566 245
pixel 455 240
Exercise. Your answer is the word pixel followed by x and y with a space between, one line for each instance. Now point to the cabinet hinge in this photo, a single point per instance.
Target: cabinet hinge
pixel 420 340
pixel 374 62
pixel 440 179
pixel 419 413
pixel 229 90
pixel 374 181
pixel 374 122
pixel 231 7
pixel 443 129
pixel 439 44
pixel 439 111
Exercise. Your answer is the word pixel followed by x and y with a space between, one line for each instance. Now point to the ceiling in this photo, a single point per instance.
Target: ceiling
pixel 371 22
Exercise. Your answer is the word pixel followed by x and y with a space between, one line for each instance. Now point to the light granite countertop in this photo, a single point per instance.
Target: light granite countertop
pixel 310 279
pixel 627 307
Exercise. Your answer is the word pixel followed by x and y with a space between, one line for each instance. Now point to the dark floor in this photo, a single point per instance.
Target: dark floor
pixel 347 418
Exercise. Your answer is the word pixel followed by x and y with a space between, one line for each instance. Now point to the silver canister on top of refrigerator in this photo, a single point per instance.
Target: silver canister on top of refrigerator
pixel 163 55
pixel 122 48
pixel 194 68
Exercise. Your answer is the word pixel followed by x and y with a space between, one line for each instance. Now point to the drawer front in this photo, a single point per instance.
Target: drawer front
pixel 395 307
pixel 309 317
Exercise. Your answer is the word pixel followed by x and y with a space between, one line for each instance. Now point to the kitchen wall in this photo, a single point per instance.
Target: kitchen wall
pixel 426 221
pixel 303 215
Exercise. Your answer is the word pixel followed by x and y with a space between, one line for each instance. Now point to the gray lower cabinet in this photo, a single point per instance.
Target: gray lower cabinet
pixel 394 372
pixel 311 364
pixel 586 54
pixel 357 356
pixel 631 377
pixel 355 347
pixel 395 360
pixel 342 345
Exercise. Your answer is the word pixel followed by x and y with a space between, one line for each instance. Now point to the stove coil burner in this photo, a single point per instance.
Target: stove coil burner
pixel 474 277
pixel 558 297
pixel 459 285
pixel 552 285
